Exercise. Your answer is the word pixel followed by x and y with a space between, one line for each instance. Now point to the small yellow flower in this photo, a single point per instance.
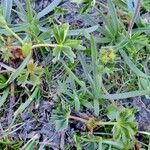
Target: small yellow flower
pixel 31 66
pixel 105 59
pixel 107 55
pixel 112 55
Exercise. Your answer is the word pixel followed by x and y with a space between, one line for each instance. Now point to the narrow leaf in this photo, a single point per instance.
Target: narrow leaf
pixel 81 31
pixel 7 7
pixel 23 106
pixel 15 74
pixel 126 95
pixel 49 8
pixel 4 97
pixel 131 65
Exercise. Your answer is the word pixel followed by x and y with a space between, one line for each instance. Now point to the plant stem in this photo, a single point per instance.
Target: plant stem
pixel 44 45
pixel 98 122
pixel 14 34
pixel 107 123
pixel 77 118
pixel 137 9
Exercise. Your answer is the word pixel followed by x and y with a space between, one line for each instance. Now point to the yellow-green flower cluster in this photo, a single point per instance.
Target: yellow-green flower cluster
pixel 107 55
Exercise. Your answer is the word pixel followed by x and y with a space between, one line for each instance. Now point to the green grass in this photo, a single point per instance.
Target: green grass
pixel 92 69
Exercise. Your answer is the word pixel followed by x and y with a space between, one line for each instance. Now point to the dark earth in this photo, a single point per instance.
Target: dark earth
pixel 36 119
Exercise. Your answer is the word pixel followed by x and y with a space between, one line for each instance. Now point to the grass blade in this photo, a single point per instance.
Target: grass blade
pixel 31 143
pixel 19 70
pixel 23 106
pixel 126 94
pixel 4 97
pixel 74 77
pixel 131 65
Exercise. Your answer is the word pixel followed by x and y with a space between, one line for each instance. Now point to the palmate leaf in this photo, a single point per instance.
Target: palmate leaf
pixel 126 127
pixel 64 44
pixel 33 73
pixel 60 117
pixel 69 53
pixel 60 32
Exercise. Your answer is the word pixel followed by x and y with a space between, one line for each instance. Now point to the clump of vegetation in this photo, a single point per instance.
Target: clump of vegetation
pixel 83 71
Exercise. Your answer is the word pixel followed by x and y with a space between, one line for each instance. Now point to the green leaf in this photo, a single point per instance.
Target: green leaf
pixel 31 143
pixel 64 28
pixel 131 65
pixel 81 31
pixel 48 9
pixel 23 106
pixel 3 22
pixel 2 81
pixel 144 84
pixel 113 111
pixel 60 117
pixel 126 127
pixel 29 10
pixel 72 43
pixel 17 28
pixel 125 95
pixel 56 53
pixel 22 78
pixel 4 97
pixel 114 15
pixel 7 7
pixel 69 53
pixel 15 74
pixel 74 77
pixel 26 49
pixel 60 32
pixel 76 101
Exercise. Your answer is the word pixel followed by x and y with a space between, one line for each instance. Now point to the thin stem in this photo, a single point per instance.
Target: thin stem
pixel 44 45
pixel 134 17
pixel 98 123
pixel 7 67
pixel 14 34
pixel 102 5
pixel 107 123
pixel 77 118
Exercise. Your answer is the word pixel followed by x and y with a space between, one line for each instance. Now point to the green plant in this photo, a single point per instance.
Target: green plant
pixel 82 69
pixel 123 123
pixel 64 44
pixel 87 4
pixel 60 117
pixel 31 74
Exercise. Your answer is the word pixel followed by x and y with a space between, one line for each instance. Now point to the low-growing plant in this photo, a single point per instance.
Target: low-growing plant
pixel 82 69
pixel 124 127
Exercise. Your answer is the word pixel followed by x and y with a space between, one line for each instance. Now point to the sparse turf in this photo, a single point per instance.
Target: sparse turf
pixel 75 74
